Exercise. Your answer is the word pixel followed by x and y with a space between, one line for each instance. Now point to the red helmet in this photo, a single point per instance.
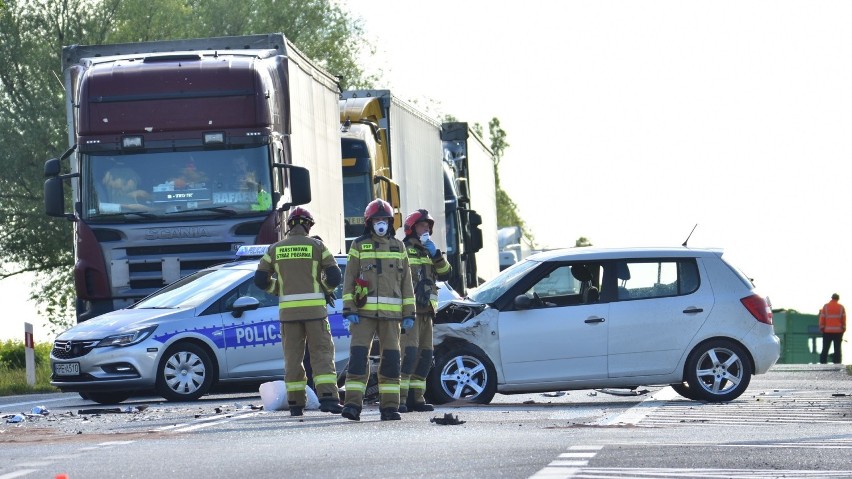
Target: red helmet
pixel 378 208
pixel 300 216
pixel 416 217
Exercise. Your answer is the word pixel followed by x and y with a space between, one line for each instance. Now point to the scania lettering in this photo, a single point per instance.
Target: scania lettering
pixel 182 151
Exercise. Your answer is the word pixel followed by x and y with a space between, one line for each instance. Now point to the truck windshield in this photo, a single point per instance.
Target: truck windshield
pixel 172 185
pixel 357 193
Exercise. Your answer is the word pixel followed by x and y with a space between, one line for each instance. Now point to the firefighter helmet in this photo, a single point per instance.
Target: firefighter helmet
pixel 300 216
pixel 378 208
pixel 416 217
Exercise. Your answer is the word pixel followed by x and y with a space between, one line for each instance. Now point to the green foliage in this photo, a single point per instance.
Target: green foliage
pixel 507 210
pixel 13 374
pixel 32 99
pixel 582 241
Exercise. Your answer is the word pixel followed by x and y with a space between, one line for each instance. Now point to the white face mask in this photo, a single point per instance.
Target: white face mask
pixel 380 227
pixel 424 237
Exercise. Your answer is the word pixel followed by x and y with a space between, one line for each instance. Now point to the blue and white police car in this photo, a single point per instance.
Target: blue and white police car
pixel 212 326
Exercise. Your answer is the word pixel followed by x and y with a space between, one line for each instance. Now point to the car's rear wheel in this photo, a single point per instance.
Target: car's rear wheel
pixel 185 373
pixel 111 397
pixel 462 372
pixel 683 390
pixel 718 371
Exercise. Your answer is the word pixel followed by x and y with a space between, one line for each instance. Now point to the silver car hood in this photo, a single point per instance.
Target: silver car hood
pixel 122 320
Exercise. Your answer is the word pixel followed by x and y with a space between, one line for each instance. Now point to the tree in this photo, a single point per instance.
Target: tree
pixel 507 210
pixel 582 241
pixel 32 99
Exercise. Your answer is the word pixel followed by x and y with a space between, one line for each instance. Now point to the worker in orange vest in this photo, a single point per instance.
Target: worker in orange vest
pixel 832 325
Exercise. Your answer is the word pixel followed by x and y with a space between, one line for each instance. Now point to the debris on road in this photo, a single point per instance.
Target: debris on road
pixel 555 394
pixel 447 420
pixel 14 418
pixel 623 392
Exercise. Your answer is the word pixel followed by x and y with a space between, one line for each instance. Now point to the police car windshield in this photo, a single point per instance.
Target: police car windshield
pixel 492 289
pixel 193 290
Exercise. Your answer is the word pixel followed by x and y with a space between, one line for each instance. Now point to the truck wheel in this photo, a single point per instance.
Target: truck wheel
pixel 185 373
pixel 462 372
pixel 718 371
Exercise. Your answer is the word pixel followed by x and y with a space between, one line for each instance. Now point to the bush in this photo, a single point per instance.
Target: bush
pixel 13 355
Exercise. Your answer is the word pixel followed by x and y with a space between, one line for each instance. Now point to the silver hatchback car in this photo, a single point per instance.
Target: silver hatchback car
pixel 585 318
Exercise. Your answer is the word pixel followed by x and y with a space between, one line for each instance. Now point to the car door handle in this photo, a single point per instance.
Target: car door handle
pixel 693 310
pixel 595 320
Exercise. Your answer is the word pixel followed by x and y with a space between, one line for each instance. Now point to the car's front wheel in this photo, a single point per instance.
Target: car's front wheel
pixel 462 372
pixel 683 390
pixel 185 373
pixel 718 371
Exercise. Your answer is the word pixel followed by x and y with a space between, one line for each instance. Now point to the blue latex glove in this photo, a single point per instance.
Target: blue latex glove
pixel 430 246
pixel 407 323
pixel 350 319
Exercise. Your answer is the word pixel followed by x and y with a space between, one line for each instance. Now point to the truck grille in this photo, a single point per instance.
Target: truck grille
pixel 72 349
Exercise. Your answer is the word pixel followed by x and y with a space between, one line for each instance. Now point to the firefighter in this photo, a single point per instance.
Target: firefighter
pixel 427 264
pixel 832 325
pixel 293 268
pixel 377 296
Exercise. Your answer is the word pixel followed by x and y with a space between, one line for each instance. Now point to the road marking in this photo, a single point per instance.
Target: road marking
pixel 651 473
pixel 568 463
pixel 640 411
pixel 21 473
pixel 15 404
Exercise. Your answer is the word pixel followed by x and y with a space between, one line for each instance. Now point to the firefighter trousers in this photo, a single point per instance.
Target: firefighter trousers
pixel 416 346
pixel 358 372
pixel 317 335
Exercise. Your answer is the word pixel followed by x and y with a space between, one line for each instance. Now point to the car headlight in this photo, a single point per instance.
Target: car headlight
pixel 128 338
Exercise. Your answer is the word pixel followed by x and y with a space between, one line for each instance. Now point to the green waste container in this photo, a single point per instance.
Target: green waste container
pixel 801 340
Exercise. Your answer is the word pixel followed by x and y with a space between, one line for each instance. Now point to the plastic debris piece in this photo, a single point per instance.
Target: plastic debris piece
pixel 102 410
pixel 447 420
pixel 40 410
pixel 15 419
pixel 624 392
pixel 554 394
pixel 529 402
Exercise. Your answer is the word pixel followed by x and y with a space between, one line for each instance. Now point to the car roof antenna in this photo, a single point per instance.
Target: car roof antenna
pixel 690 235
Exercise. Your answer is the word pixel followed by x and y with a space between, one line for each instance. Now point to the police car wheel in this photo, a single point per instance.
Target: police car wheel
pixel 185 373
pixel 462 372
pixel 718 371
pixel 111 397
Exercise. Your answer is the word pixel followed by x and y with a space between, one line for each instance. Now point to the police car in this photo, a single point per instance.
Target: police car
pixel 212 326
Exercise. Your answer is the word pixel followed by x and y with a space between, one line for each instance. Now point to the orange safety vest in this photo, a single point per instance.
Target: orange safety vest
pixel 832 318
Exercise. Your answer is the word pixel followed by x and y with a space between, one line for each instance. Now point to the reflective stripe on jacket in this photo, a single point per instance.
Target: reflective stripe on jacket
pixel 425 271
pixel 383 263
pixel 832 318
pixel 298 262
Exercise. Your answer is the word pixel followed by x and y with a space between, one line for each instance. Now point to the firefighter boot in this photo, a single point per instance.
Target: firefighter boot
pixel 422 407
pixel 296 411
pixel 390 414
pixel 331 405
pixel 352 412
pixel 403 408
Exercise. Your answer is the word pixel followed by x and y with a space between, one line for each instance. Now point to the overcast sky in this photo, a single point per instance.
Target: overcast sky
pixel 630 122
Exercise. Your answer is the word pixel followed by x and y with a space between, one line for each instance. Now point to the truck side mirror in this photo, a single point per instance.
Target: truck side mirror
pixel 54 196
pixel 51 168
pixel 474 221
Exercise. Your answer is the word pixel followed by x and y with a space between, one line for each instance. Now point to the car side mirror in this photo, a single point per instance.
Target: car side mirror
pixel 523 301
pixel 243 304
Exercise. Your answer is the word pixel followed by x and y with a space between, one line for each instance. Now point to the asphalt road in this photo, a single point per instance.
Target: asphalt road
pixel 792 422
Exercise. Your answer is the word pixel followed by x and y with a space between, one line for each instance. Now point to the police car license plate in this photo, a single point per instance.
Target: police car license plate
pixel 66 369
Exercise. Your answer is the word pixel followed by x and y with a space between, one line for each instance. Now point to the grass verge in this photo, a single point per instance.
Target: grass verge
pixel 13 372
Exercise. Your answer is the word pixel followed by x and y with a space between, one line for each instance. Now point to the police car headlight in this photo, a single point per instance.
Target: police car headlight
pixel 128 338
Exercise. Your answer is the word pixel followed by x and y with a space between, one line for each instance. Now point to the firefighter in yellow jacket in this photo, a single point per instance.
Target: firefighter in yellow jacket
pixel 293 268
pixel 377 297
pixel 427 266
